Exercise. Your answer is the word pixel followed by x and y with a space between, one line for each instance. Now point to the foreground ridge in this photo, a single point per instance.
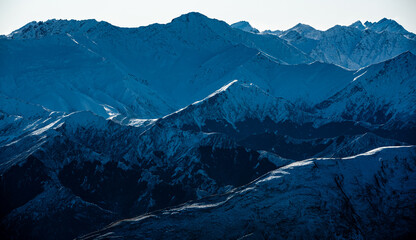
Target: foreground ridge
pixel 323 198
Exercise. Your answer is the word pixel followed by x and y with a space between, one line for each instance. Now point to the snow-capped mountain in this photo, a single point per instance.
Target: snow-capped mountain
pixel 77 164
pixel 245 26
pixel 388 25
pixel 305 30
pixel 100 123
pixel 382 94
pixel 62 74
pixel 354 46
pixel 234 103
pixel 176 56
pixel 107 75
pixel 322 198
pixel 358 24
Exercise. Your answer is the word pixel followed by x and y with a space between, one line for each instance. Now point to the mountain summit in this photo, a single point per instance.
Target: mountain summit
pixel 245 26
pixel 388 25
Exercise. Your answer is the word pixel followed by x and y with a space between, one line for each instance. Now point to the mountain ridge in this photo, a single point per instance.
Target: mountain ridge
pixel 247 204
pixel 100 123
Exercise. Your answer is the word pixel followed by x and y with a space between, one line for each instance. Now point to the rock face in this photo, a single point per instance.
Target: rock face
pixel 100 123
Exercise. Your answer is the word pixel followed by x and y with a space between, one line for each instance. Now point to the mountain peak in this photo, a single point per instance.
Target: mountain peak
pixel 358 24
pixel 386 24
pixel 55 27
pixel 234 102
pixel 401 59
pixel 197 21
pixel 405 63
pixel 408 55
pixel 245 26
pixel 191 17
pixel 306 31
pixel 303 27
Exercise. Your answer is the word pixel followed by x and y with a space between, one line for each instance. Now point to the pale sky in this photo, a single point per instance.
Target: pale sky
pixel 262 14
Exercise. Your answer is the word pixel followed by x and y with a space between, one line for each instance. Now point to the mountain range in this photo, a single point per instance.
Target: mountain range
pixel 200 129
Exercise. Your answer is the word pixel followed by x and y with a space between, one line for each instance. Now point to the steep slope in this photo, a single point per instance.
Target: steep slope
pixel 80 163
pixel 357 144
pixel 358 24
pixel 323 198
pixel 298 40
pixel 258 120
pixel 233 103
pixel 62 74
pixel 380 94
pixel 302 84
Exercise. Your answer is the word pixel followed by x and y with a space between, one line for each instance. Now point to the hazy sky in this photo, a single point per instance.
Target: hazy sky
pixel 262 14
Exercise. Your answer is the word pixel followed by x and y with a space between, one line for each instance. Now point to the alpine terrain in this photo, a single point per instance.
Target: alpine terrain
pixel 198 129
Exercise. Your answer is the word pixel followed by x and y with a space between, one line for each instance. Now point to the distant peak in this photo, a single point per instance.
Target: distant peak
pixel 245 26
pixel 358 24
pixel 368 23
pixel 275 32
pixel 388 25
pixel 386 20
pixel 197 21
pixel 242 23
pixel 191 17
pixel 305 30
pixel 303 27
pixel 56 27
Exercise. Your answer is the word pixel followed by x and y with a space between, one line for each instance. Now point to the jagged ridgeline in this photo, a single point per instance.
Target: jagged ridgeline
pixel 196 129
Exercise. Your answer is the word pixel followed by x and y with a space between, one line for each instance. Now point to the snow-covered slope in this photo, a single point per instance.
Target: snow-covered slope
pixel 303 84
pixel 94 66
pixel 61 74
pixel 319 198
pixel 235 102
pixel 197 151
pixel 77 164
pixel 383 93
pixel 345 146
pixel 90 65
pixel 353 46
pixel 259 120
